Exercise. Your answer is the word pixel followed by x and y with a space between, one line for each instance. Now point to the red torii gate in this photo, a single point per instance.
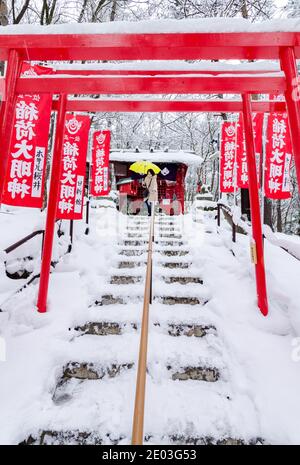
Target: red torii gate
pixel 284 47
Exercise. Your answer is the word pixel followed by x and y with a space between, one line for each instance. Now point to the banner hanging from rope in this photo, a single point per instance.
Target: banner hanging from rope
pixel 278 157
pixel 73 169
pixel 100 164
pixel 228 156
pixel 25 176
pixel 241 158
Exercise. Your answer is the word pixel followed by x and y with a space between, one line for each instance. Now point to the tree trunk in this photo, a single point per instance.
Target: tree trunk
pixel 268 212
pixel 279 216
pixel 3 22
pixel 3 13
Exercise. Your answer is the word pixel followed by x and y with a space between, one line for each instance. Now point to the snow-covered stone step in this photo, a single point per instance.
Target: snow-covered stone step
pixel 105 328
pixel 139 224
pixel 142 246
pixel 175 300
pixel 94 438
pixel 138 271
pixel 172 252
pixel 175 264
pixel 125 279
pixel 171 236
pixel 159 313
pixel 168 294
pixel 182 280
pixel 130 264
pixel 176 413
pixel 167 227
pixel 135 228
pixel 92 371
pixel 189 330
pixel 108 328
pixel 134 243
pixel 172 243
pixel 132 252
pixel 111 299
pixel 174 354
pixel 160 272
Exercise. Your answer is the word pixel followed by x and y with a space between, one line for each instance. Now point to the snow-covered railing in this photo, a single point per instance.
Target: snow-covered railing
pixel 34 274
pixel 24 240
pixel 285 244
pixel 139 406
pixel 240 225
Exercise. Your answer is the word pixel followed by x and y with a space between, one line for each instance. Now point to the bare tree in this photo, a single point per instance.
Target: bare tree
pixel 3 13
pixel 18 13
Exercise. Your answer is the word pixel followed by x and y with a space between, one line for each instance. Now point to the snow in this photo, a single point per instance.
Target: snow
pixel 188 158
pixel 162 26
pixel 257 395
pixel 175 65
pixel 290 243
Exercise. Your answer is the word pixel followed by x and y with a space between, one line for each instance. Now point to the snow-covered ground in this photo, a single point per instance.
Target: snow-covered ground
pixel 256 397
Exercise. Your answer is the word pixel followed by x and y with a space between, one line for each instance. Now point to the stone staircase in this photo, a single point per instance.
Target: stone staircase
pixel 186 371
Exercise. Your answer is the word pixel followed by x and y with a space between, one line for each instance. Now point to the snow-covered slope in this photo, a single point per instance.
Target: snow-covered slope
pixel 217 369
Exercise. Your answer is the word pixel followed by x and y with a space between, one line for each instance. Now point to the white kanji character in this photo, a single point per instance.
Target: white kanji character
pixel 227 183
pixel 24 129
pixel 279 126
pixel 69 163
pixel 65 205
pixel 229 146
pixel 244 178
pixel 99 188
pixel 23 150
pixel 275 170
pixel 278 140
pixel 68 177
pixel 274 185
pixel 228 174
pixel 67 191
pixel 244 167
pixel 71 149
pixel 277 156
pixel 26 112
pixel 20 168
pixel 228 165
pixel 16 187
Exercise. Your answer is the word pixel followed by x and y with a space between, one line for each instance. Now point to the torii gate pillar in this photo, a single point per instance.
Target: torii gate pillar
pixel 261 287
pixel 52 206
pixel 292 97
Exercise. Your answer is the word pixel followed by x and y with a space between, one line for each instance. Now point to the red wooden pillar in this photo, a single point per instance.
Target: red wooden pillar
pixel 52 205
pixel 7 112
pixel 292 95
pixel 261 288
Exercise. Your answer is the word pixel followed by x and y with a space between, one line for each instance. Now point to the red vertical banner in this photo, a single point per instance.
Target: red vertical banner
pixel 25 176
pixel 73 168
pixel 278 157
pixel 228 156
pixel 100 164
pixel 242 166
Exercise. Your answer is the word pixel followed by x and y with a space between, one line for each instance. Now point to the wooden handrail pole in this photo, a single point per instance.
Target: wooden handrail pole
pixel 139 406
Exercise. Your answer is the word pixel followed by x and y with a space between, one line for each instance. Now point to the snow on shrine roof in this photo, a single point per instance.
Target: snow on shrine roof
pixel 176 65
pixel 188 158
pixel 162 26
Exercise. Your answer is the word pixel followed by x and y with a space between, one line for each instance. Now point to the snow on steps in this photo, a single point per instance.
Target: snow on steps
pixel 96 439
pixel 97 370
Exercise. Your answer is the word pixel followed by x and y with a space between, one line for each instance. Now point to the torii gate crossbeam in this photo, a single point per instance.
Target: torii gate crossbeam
pixel 281 46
